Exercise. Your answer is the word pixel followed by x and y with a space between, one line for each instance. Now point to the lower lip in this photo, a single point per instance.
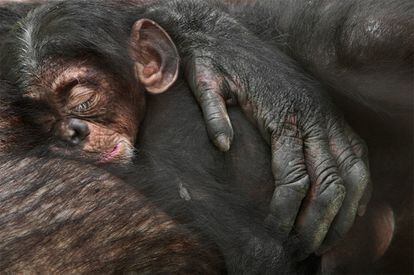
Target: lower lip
pixel 113 154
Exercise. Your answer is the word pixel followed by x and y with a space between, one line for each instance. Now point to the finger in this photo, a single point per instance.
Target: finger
pixel 207 90
pixel 360 149
pixel 366 197
pixel 219 127
pixel 326 193
pixel 355 176
pixel 291 178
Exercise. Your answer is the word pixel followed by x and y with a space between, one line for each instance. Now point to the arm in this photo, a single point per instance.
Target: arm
pixel 362 49
pixel 313 148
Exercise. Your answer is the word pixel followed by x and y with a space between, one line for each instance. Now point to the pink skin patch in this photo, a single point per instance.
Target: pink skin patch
pixel 117 151
pixel 368 240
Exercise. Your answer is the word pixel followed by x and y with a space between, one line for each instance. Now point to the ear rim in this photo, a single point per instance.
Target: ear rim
pixel 139 67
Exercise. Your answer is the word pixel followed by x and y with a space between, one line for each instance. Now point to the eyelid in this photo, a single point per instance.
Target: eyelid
pixel 82 95
pixel 92 103
pixel 80 90
pixel 78 107
pixel 67 87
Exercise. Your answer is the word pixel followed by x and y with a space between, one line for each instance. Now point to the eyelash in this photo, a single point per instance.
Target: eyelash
pixel 86 105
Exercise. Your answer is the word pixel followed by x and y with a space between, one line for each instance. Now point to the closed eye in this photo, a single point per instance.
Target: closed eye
pixel 85 103
pixel 83 107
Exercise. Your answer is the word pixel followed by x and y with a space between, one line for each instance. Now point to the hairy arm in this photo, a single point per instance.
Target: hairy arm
pixel 313 148
pixel 62 216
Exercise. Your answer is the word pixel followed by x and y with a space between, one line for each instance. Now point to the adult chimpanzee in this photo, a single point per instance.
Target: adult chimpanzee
pixel 251 249
pixel 239 83
pixel 363 52
pixel 64 66
pixel 91 99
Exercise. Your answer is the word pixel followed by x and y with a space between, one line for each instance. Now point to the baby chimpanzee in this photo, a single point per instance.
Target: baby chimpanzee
pixel 83 67
pixel 87 101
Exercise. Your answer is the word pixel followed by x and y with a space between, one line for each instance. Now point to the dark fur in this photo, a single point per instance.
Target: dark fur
pixel 55 220
pixel 294 25
pixel 167 180
pixel 190 189
pixel 363 52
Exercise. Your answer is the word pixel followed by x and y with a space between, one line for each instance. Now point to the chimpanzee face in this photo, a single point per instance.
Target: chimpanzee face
pixel 90 110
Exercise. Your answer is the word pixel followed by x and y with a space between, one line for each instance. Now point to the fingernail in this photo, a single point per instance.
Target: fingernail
pixel 223 143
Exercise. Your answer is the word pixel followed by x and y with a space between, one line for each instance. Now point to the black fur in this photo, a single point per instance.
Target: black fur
pixel 295 29
pixel 206 193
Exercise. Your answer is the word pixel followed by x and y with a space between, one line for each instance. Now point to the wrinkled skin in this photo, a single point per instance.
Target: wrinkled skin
pixel 313 148
pixel 316 157
pixel 181 204
pixel 362 52
pixel 88 104
pixel 83 105
pixel 316 62
pixel 87 108
pixel 76 218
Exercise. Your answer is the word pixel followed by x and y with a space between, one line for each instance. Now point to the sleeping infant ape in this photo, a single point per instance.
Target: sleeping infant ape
pixel 91 99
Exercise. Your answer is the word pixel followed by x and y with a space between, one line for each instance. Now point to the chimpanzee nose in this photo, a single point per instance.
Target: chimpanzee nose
pixel 74 131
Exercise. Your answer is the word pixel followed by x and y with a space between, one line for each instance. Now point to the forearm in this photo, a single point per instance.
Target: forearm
pixel 198 32
pixel 193 24
pixel 277 25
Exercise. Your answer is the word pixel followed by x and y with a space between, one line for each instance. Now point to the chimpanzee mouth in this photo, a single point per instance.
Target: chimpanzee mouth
pixel 122 151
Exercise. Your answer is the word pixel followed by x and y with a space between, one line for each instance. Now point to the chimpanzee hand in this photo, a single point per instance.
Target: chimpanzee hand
pixel 312 146
pixel 319 163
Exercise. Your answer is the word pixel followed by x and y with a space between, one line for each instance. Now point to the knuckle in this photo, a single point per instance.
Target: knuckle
pixel 208 90
pixel 298 183
pixel 327 173
pixel 360 147
pixel 329 178
pixel 215 116
pixel 207 96
pixel 335 125
pixel 294 171
pixel 215 112
pixel 314 130
pixel 346 159
pixel 363 175
pixel 332 196
pixel 288 159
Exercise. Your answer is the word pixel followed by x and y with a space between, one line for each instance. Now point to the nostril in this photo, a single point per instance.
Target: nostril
pixel 77 131
pixel 80 128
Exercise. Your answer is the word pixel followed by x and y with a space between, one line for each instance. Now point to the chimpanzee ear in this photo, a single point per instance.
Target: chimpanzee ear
pixel 155 56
